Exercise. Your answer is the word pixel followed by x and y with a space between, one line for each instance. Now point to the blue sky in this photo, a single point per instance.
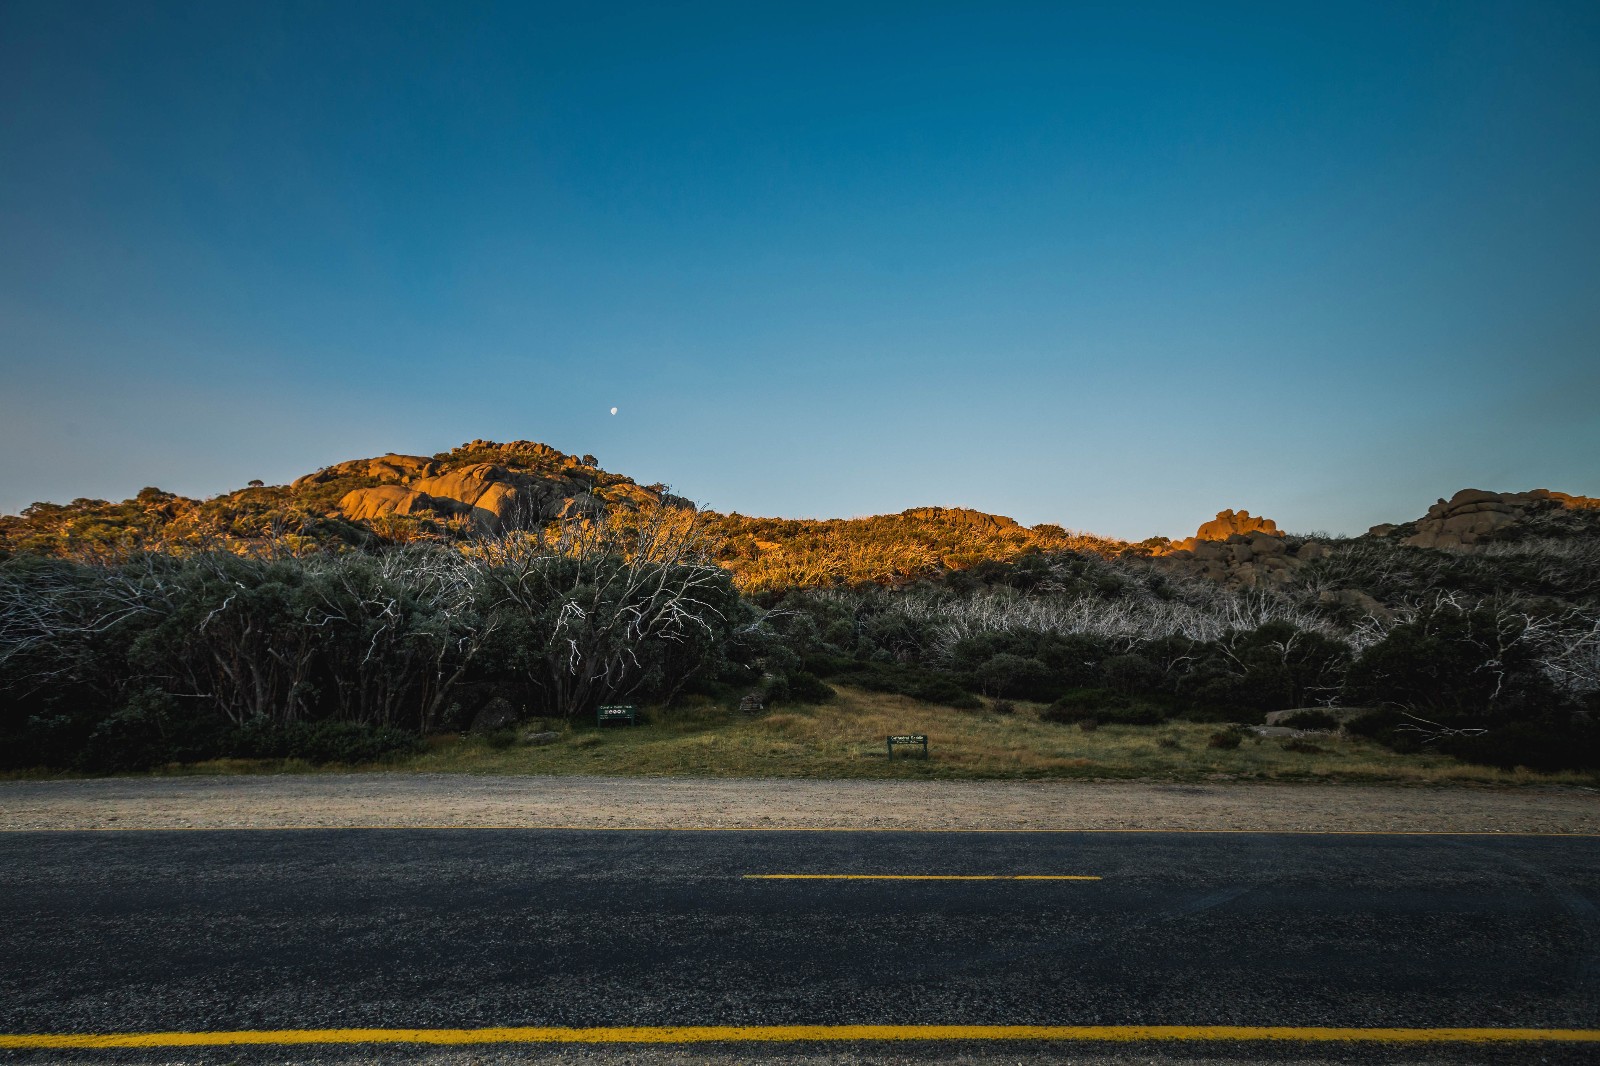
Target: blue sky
pixel 1111 266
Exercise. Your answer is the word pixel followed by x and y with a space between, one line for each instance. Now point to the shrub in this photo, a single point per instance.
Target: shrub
pixel 1069 661
pixel 1061 715
pixel 1131 675
pixel 1310 720
pixel 824 664
pixel 125 740
pixel 1007 675
pixel 806 687
pixel 1135 713
pixel 1452 662
pixel 41 741
pixel 1226 739
pixel 918 682
pixel 1106 708
pixel 501 739
pixel 946 692
pixel 1274 665
pixel 1082 703
pixel 1378 725
pixel 1541 745
pixel 323 742
pixel 1003 707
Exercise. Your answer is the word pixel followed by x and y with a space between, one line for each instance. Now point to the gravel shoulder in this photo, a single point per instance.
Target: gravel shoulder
pixel 457 801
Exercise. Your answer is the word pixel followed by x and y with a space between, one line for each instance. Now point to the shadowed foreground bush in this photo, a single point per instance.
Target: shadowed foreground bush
pixel 123 665
pixel 136 739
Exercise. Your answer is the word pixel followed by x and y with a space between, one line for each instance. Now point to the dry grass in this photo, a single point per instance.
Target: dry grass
pixel 845 739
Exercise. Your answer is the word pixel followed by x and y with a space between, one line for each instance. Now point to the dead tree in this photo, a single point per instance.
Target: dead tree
pixel 597 594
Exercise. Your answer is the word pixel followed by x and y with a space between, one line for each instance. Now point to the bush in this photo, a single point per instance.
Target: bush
pixel 918 682
pixel 1131 675
pixel 1135 713
pixel 124 741
pixel 947 692
pixel 1082 703
pixel 152 730
pixel 1069 661
pixel 500 739
pixel 806 687
pixel 1003 707
pixel 1226 739
pixel 1452 663
pixel 1546 745
pixel 42 741
pixel 1106 708
pixel 1379 725
pixel 1274 665
pixel 823 664
pixel 323 742
pixel 1065 715
pixel 1310 720
pixel 1007 675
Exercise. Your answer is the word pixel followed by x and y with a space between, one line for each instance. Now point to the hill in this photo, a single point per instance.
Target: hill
pixel 484 488
pixel 377 600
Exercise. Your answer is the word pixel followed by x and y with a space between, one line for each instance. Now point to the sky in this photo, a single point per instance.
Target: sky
pixel 1112 266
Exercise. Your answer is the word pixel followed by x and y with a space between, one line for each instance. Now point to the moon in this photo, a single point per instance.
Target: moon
pixel 613 410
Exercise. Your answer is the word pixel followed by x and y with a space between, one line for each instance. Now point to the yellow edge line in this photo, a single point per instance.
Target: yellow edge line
pixel 723 1033
pixel 920 877
pixel 770 829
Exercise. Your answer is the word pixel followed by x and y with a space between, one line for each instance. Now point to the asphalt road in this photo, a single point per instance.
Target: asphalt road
pixel 105 932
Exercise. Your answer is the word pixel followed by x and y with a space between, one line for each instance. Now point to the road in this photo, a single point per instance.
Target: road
pixel 210 931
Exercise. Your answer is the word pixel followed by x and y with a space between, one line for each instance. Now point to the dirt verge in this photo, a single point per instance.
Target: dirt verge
pixel 402 800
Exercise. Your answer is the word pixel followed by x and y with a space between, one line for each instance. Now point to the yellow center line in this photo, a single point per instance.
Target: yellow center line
pixel 692 1034
pixel 1506 834
pixel 920 877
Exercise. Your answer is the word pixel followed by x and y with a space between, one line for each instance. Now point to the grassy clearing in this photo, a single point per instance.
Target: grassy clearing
pixel 845 739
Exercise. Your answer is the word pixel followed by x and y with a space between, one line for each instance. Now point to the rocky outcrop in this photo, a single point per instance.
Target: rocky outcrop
pixel 390 467
pixel 1227 525
pixel 1242 549
pixel 367 504
pixel 961 517
pixel 495 498
pixel 1257 559
pixel 1473 517
pixel 1229 522
pixel 484 492
pixel 629 494
pixel 493 486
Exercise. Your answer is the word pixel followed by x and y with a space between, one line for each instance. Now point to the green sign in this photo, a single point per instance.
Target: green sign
pixel 617 712
pixel 909 739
